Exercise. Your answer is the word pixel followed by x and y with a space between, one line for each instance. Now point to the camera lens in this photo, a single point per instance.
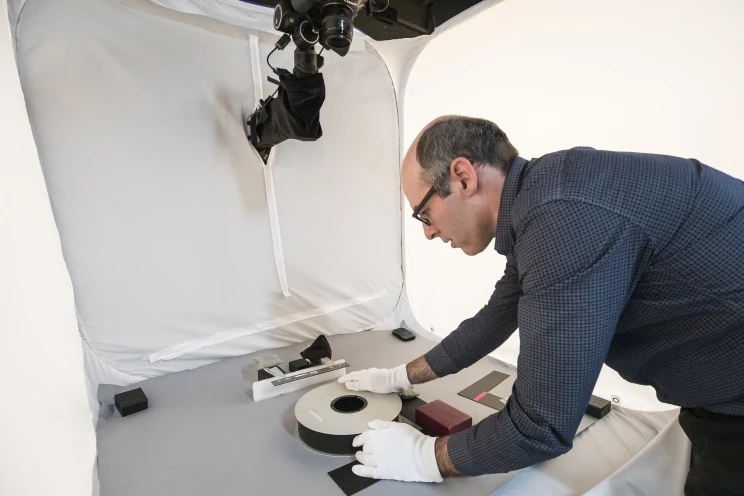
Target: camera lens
pixel 337 27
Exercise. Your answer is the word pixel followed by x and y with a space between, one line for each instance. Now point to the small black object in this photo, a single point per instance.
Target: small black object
pixel 349 482
pixel 598 407
pixel 404 334
pixel 283 42
pixel 317 351
pixel 298 364
pixel 130 402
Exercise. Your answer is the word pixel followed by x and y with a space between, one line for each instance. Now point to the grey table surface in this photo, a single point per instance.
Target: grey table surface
pixel 203 434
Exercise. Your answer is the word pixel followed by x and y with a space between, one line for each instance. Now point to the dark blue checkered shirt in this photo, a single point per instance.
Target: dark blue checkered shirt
pixel 631 259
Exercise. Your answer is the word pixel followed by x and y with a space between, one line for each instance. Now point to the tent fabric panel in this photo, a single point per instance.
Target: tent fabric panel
pixel 160 199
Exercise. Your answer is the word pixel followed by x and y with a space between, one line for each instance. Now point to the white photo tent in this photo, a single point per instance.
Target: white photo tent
pixel 141 236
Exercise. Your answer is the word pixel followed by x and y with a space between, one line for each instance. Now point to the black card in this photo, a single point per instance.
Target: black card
pixel 408 409
pixel 349 482
pixel 484 385
pixel 492 400
pixel 478 391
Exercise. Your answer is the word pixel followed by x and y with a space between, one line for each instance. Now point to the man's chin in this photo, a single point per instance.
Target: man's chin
pixel 472 251
pixel 467 251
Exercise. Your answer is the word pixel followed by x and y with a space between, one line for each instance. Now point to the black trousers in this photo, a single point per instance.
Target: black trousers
pixel 717 458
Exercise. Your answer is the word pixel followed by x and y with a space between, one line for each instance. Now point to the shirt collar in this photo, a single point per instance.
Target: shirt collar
pixel 504 237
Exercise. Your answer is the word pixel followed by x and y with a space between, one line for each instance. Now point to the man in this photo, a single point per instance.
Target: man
pixel 631 259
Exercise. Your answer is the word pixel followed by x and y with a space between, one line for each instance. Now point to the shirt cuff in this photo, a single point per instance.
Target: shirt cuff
pixel 440 362
pixel 459 454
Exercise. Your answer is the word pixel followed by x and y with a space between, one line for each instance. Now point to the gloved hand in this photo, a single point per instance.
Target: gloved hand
pixel 377 380
pixel 392 450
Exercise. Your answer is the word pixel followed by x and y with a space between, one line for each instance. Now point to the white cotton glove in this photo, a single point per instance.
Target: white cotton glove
pixel 377 380
pixel 393 450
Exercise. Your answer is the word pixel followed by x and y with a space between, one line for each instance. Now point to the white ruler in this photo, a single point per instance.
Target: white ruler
pixel 294 381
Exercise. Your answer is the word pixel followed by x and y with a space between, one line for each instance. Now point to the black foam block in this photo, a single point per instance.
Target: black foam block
pixel 130 402
pixel 298 364
pixel 598 407
pixel 317 351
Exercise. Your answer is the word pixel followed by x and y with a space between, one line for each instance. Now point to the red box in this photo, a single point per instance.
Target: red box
pixel 442 419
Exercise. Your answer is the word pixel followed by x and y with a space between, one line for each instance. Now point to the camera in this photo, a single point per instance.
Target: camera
pixel 293 111
pixel 328 22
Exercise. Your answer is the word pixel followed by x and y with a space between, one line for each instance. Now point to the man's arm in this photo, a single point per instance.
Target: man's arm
pixel 499 320
pixel 419 371
pixel 446 467
pixel 471 341
pixel 579 265
pixel 479 335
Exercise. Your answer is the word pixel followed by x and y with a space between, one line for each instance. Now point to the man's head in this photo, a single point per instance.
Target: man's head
pixel 460 163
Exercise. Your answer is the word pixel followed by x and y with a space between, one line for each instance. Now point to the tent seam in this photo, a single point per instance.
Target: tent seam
pixel 14 27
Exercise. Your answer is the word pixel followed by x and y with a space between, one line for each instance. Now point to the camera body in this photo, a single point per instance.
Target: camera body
pixel 328 22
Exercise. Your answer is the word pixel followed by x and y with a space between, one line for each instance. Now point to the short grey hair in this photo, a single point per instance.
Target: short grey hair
pixel 478 140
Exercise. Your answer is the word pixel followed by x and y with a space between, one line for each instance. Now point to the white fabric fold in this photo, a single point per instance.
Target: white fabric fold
pixel 276 234
pixel 191 346
pixel 256 66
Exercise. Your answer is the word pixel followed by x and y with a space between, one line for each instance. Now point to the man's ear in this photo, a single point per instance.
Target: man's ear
pixel 462 174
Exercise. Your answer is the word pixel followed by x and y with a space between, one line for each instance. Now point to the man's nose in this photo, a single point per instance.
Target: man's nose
pixel 430 232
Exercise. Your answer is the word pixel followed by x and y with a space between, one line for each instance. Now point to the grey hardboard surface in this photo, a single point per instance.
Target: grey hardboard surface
pixel 203 434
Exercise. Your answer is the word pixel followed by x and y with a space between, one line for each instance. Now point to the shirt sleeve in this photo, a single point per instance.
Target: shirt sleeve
pixel 479 335
pixel 578 264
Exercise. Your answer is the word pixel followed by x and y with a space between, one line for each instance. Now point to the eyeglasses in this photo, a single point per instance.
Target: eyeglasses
pixel 418 208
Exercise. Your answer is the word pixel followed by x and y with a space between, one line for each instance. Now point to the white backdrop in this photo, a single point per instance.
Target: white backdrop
pixel 47 443
pixel 661 77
